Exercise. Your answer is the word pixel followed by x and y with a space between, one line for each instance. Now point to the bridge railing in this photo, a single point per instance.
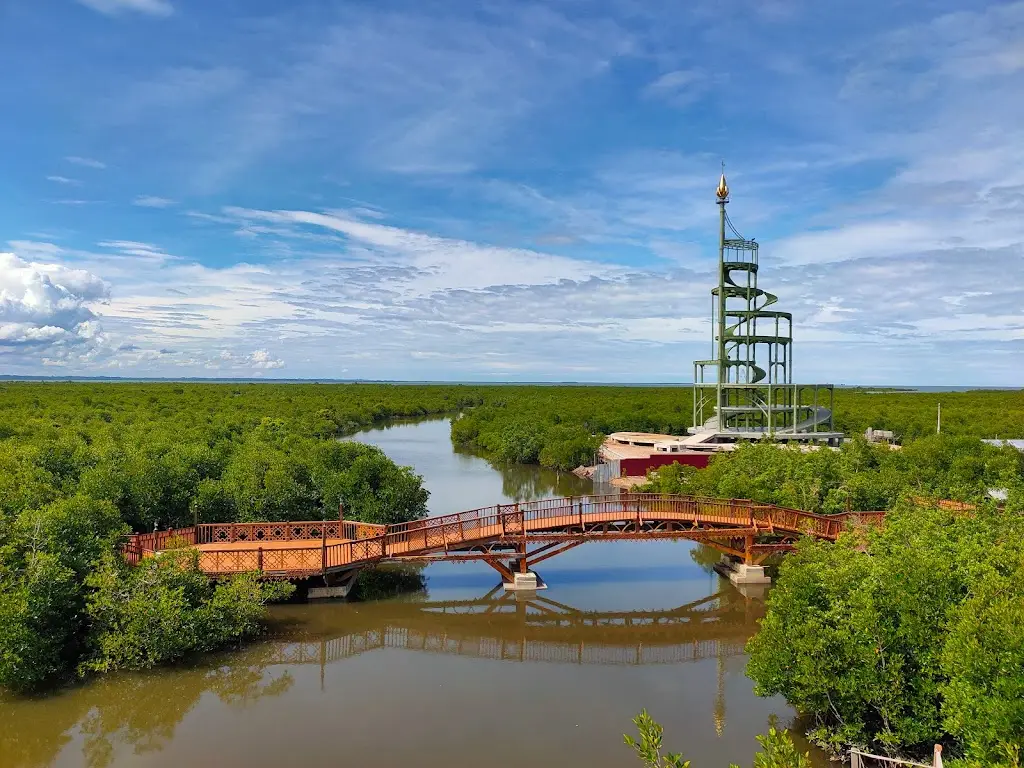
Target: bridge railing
pixel 226 533
pixel 296 530
pixel 160 540
pixel 509 519
pixel 359 543
pixel 811 523
pixel 353 529
pixel 448 530
pixel 291 561
pixel 861 759
pixel 132 552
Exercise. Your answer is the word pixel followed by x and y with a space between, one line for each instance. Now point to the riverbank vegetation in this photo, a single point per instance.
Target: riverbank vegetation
pixel 777 748
pixel 904 636
pixel 82 465
pixel 860 476
pixel 562 426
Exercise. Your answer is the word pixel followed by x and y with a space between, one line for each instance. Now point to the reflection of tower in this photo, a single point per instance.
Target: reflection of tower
pixel 720 695
pixel 746 390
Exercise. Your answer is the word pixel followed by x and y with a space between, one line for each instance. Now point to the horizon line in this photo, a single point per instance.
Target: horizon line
pixel 445 382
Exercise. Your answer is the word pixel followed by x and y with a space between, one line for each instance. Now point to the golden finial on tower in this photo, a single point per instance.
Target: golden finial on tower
pixel 723 189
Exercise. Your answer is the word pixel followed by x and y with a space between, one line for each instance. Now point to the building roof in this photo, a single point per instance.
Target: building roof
pixel 638 445
pixel 1018 444
pixel 641 438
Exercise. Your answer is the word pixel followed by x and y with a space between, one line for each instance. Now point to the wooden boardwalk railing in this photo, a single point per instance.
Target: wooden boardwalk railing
pixel 860 759
pixel 307 548
pixel 224 533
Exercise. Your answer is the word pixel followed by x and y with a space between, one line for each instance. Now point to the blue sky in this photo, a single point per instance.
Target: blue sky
pixel 507 190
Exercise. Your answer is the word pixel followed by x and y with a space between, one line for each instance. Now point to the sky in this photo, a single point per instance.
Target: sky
pixel 507 190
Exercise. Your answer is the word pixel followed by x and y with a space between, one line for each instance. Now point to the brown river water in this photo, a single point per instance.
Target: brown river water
pixel 460 676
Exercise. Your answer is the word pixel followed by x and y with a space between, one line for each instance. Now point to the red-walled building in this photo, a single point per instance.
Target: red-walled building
pixel 632 454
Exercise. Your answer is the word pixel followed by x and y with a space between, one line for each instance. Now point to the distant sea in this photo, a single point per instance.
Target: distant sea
pixel 201 380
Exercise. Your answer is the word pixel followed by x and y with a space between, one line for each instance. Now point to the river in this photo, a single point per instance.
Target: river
pixel 462 676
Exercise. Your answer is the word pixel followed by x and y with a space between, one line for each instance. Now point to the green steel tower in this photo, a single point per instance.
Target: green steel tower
pixel 746 390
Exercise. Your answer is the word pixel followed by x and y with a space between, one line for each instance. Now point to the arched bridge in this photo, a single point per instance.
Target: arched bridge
pixel 511 538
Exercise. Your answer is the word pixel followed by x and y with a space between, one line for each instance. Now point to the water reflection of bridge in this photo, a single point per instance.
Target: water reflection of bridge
pixel 538 629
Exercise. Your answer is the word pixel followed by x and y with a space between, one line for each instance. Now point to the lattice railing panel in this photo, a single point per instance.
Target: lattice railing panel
pixel 305 559
pixel 157 541
pixel 357 530
pixel 214 533
pixel 225 561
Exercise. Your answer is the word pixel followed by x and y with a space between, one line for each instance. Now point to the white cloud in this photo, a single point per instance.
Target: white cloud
pixel 47 306
pixel 442 263
pixel 86 162
pixel 137 251
pixel 152 201
pixel 63 180
pixel 263 360
pixel 114 7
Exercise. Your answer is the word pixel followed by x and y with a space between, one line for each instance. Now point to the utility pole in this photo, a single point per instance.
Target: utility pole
pixel 938 422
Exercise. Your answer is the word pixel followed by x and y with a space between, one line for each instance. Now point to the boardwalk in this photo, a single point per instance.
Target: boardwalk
pixel 496 535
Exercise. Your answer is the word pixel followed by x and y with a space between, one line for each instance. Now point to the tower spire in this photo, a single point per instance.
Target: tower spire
pixel 722 193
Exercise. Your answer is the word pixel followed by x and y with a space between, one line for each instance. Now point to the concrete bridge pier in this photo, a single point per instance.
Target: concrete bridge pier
pixel 519 577
pixel 742 574
pixel 336 586
pixel 524 581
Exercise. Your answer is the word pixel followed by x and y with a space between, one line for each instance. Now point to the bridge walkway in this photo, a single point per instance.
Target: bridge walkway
pixel 495 535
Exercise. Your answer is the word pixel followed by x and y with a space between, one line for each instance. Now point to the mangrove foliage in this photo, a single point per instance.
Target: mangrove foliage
pixel 83 465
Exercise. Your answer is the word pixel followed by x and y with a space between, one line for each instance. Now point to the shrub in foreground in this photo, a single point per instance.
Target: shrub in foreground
pixel 777 748
pixel 166 608
pixel 45 555
pixel 905 636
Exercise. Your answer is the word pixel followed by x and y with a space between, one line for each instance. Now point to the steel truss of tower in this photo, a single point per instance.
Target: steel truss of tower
pixel 746 390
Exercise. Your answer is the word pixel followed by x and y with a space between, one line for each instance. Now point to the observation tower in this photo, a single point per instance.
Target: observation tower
pixel 746 390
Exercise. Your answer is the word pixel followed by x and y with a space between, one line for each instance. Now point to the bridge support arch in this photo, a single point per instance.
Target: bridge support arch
pixel 518 575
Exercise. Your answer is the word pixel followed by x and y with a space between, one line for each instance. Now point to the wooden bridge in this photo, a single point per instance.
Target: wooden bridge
pixel 500 536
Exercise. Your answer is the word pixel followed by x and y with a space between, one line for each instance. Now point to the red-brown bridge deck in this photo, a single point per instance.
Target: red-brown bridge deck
pixel 298 550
